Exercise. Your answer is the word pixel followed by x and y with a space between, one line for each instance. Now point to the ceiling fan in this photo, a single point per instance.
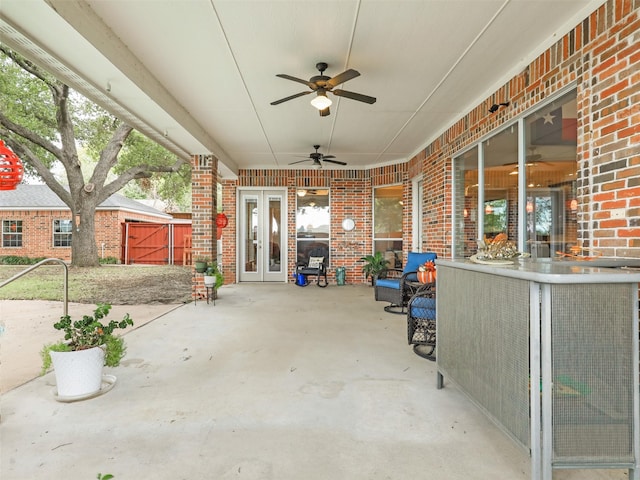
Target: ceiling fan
pixel 317 158
pixel 321 84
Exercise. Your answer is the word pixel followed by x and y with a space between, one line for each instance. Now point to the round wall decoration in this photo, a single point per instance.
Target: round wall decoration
pixel 221 220
pixel 348 224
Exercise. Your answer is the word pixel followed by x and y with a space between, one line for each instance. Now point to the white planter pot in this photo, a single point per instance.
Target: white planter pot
pixel 78 373
pixel 209 280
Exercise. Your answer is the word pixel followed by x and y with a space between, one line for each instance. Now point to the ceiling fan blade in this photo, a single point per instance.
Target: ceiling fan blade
pixel 338 162
pixel 343 77
pixel 328 156
pixel 291 97
pixel 300 161
pixel 354 96
pixel 325 112
pixel 312 86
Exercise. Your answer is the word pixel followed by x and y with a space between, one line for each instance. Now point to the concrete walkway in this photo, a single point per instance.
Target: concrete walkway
pixel 274 382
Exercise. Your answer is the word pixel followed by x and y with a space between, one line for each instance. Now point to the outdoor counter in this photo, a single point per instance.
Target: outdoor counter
pixel 568 327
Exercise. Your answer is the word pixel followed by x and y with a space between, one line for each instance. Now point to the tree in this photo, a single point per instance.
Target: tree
pixel 44 121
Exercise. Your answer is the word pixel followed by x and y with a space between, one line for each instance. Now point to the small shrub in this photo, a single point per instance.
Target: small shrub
pixel 109 261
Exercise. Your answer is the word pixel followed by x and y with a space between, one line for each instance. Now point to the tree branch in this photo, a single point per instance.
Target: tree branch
pixel 30 67
pixel 29 135
pixel 139 171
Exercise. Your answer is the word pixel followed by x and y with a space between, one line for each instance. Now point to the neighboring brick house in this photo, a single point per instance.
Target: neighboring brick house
pixel 36 223
pixel 597 62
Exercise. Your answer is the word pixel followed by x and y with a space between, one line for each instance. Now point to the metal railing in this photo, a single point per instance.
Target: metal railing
pixel 42 262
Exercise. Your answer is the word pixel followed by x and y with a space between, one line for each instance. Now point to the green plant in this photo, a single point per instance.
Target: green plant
pixel 106 476
pixel 374 264
pixel 108 261
pixel 89 332
pixel 214 271
pixel 16 260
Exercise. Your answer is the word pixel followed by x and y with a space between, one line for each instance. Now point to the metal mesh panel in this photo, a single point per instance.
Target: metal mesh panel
pixel 484 347
pixel 592 373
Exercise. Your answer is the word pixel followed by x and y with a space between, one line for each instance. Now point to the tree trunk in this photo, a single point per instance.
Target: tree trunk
pixel 84 252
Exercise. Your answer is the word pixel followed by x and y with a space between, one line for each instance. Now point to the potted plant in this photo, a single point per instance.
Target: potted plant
pixel 213 277
pixel 201 264
pixel 374 265
pixel 88 346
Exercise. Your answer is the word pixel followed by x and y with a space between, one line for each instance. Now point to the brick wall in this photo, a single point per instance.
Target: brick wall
pixel 600 57
pixel 37 236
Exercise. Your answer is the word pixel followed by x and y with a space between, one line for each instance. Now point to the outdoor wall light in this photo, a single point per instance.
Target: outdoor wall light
pixel 494 108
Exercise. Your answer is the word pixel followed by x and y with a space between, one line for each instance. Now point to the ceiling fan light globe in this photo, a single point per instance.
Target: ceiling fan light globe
pixel 321 101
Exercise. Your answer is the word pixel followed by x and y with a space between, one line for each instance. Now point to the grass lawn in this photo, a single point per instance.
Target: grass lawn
pixel 115 284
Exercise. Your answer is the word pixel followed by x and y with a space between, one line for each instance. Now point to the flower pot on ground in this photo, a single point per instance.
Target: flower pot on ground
pixel 88 345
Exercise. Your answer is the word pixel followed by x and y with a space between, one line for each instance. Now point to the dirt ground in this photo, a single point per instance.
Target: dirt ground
pixel 166 285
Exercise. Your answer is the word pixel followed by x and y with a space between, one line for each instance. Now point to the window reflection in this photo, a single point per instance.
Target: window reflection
pixel 313 222
pixel 551 171
pixel 387 228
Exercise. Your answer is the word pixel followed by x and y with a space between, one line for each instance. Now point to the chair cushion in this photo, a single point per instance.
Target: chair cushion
pixel 314 262
pixel 423 307
pixel 393 283
pixel 415 259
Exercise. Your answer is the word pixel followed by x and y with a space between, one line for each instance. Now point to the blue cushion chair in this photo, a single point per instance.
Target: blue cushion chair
pixel 421 321
pixel 397 286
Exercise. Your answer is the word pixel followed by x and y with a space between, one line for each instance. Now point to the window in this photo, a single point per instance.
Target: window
pixel 12 233
pixel 551 175
pixel 530 196
pixel 387 226
pixel 62 233
pixel 313 222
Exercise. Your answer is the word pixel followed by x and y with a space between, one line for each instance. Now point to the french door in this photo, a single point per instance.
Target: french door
pixel 262 235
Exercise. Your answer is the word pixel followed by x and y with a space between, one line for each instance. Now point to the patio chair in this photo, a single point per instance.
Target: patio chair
pixel 396 286
pixel 421 321
pixel 315 265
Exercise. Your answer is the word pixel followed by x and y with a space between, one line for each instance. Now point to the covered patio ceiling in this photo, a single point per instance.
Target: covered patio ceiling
pixel 198 76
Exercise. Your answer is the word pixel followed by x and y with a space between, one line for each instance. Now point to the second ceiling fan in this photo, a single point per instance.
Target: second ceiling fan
pixel 321 85
pixel 317 158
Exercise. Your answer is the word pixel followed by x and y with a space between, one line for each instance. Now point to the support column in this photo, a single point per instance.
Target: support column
pixel 204 172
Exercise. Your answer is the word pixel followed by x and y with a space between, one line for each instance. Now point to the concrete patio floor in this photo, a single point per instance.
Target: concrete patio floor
pixel 273 382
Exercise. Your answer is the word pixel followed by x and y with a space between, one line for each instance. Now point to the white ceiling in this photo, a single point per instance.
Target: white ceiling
pixel 199 75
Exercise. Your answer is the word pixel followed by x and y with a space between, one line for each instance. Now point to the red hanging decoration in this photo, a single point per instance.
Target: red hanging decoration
pixel 221 220
pixel 11 170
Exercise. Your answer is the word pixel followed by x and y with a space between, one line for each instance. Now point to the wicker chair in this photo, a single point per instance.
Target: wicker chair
pixel 396 286
pixel 421 321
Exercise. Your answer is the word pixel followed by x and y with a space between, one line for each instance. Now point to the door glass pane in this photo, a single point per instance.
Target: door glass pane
pixel 275 216
pixel 387 227
pixel 251 235
pixel 313 222
pixel 550 172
